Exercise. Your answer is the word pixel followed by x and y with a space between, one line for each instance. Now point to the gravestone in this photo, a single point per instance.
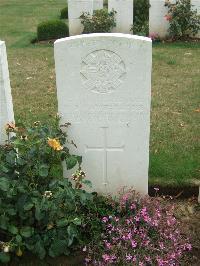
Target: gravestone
pixel 157 21
pixel 124 16
pixel 196 6
pixel 103 89
pixel 6 106
pixel 97 4
pixel 75 10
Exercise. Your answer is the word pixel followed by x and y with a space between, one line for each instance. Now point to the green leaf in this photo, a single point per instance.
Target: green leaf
pixel 21 161
pixel 28 206
pixel 18 239
pixel 4 257
pixel 3 222
pixel 79 159
pixel 13 229
pixel 27 231
pixel 72 233
pixel 40 250
pixel 77 221
pixel 4 184
pixel 11 157
pixel 62 222
pixel 4 169
pixel 58 247
pixel 38 214
pixel 43 170
pixel 71 161
pixel 87 183
pixel 11 211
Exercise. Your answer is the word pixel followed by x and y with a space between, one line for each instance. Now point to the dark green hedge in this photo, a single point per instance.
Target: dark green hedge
pixel 64 13
pixel 53 29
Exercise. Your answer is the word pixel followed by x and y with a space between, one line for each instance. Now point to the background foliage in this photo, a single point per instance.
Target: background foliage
pixel 184 20
pixel 101 21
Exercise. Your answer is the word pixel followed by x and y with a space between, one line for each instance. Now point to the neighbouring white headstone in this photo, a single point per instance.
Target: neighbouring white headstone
pixel 6 106
pixel 75 10
pixel 124 16
pixel 104 90
pixel 97 4
pixel 196 6
pixel 157 21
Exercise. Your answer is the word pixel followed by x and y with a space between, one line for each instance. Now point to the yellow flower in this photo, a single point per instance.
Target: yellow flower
pixel 19 252
pixel 55 144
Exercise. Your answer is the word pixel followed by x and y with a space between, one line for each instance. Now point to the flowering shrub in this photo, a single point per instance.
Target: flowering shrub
pixel 154 36
pixel 40 211
pixel 141 17
pixel 144 232
pixel 100 21
pixel 184 21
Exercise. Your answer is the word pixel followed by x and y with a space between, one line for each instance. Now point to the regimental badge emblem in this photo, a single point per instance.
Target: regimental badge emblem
pixel 102 71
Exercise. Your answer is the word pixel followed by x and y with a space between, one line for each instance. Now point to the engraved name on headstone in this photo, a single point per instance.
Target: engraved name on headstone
pixel 103 89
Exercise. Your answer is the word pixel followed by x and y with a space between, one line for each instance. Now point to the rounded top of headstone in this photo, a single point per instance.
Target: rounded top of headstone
pixel 104 35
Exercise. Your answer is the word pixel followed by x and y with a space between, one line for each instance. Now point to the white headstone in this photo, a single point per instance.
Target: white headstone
pixel 124 16
pixel 196 6
pixel 103 89
pixel 6 106
pixel 157 21
pixel 75 10
pixel 97 4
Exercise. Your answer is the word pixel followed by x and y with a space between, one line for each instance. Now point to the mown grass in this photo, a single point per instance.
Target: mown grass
pixel 174 146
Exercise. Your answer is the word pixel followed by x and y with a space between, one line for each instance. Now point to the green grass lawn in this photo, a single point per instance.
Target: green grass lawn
pixel 175 149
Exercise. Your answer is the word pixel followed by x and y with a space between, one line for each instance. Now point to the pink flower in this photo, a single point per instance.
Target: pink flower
pixel 134 259
pixel 133 243
pixel 168 17
pixel 133 206
pixel 148 259
pixel 188 247
pixel 129 257
pixel 87 260
pixel 105 219
pixel 161 245
pixel 106 257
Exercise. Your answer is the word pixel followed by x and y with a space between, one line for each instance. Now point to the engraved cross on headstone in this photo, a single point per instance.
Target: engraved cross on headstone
pixel 106 148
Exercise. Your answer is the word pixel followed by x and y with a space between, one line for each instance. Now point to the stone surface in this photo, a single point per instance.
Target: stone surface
pixel 124 16
pixel 75 10
pixel 97 4
pixel 196 6
pixel 103 88
pixel 157 22
pixel 6 106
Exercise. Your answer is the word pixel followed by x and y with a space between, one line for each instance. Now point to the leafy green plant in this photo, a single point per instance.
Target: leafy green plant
pixel 100 21
pixel 40 211
pixel 184 21
pixel 53 29
pixel 64 13
pixel 141 17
